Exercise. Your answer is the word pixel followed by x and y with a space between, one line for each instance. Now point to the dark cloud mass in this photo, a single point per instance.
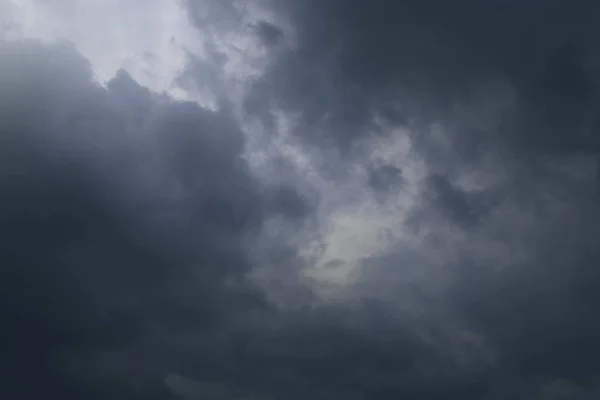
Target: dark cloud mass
pixel 132 226
pixel 513 85
pixel 124 217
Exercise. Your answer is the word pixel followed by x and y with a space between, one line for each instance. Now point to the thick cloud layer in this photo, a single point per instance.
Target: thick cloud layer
pixel 450 250
pixel 500 100
pixel 126 219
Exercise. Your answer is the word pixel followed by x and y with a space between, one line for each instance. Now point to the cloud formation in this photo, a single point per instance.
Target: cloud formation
pixel 396 199
pixel 126 217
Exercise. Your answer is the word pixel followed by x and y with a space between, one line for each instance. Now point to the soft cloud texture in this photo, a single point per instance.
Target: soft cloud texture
pixel 372 200
pixel 125 215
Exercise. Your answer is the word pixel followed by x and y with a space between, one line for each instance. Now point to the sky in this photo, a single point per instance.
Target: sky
pixel 318 199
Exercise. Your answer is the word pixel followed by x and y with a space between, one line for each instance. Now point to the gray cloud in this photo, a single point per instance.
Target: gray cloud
pixel 127 219
pixel 269 33
pixel 499 100
pixel 136 226
pixel 417 60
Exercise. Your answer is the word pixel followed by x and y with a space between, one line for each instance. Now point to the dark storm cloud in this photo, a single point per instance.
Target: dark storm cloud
pixel 415 59
pixel 129 220
pixel 126 220
pixel 268 33
pixel 355 351
pixel 465 209
pixel 534 67
pixel 382 177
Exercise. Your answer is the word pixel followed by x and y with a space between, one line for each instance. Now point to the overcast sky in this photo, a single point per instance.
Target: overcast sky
pixel 300 199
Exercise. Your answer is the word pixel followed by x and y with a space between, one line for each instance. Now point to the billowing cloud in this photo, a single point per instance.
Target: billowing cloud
pixel 126 216
pixel 385 199
pixel 497 104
